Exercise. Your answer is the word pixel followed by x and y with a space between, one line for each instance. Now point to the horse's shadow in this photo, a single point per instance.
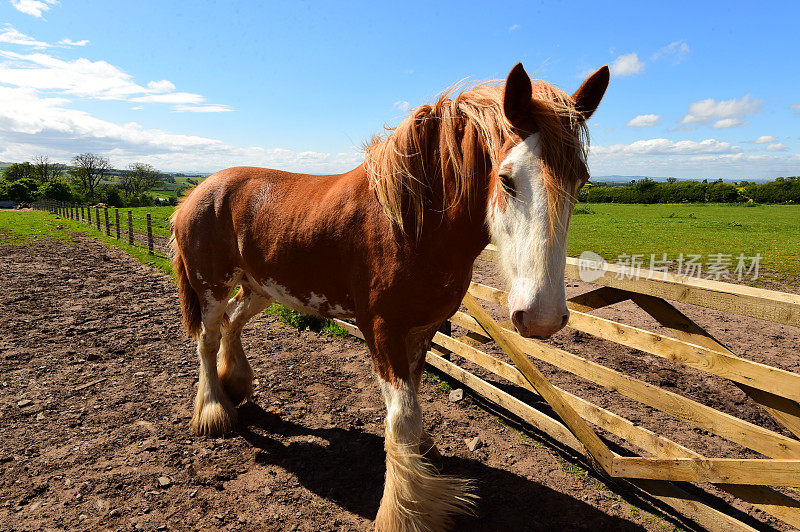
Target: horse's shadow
pixel 349 471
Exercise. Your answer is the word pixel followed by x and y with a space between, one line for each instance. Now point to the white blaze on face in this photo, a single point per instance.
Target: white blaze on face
pixel 535 268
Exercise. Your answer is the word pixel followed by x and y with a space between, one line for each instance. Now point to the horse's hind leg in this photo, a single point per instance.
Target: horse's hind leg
pixel 233 368
pixel 214 413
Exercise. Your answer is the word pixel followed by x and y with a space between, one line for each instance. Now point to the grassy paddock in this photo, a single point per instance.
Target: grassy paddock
pixel 611 229
pixel 22 227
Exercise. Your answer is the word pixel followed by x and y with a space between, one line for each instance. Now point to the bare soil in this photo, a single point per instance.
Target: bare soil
pixel 97 381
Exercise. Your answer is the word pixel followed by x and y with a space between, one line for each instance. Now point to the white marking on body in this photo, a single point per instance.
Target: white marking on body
pixel 261 198
pixel 316 304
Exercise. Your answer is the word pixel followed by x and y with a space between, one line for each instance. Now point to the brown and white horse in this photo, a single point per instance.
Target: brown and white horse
pixel 391 244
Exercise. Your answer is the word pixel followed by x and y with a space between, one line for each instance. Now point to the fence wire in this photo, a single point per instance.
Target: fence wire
pixel 147 231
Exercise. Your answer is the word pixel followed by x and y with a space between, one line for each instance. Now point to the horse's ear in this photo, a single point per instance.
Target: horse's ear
pixel 517 98
pixel 588 96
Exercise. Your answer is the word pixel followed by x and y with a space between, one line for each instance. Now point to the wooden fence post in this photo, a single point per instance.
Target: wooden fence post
pixel 97 217
pixel 149 235
pixel 89 215
pixel 130 228
pixel 116 221
pixel 108 225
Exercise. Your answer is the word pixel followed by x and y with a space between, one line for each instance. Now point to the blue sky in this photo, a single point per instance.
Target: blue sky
pixel 698 89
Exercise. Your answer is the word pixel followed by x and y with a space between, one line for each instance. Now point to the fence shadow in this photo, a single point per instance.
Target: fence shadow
pixel 349 471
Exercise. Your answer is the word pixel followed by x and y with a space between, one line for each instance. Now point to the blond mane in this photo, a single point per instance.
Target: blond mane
pixel 447 139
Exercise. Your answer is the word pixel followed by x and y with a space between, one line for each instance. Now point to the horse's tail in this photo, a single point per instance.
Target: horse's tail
pixel 190 303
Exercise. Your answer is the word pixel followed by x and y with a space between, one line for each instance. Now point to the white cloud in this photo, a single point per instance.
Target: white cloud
pixel 161 86
pixel 644 121
pixel 170 97
pixel 91 79
pixel 777 147
pixel 764 139
pixel 70 42
pixel 655 160
pixel 12 36
pixel 34 7
pixel 31 124
pixel 676 51
pixel 627 65
pixel 81 77
pixel 208 108
pixel 513 28
pixel 726 123
pixel 724 114
pixel 402 105
pixel 666 147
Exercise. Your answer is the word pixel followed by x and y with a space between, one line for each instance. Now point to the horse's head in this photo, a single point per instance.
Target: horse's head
pixel 542 167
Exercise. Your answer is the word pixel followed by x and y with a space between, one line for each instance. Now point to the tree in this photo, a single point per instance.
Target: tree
pixel 89 171
pixel 18 171
pixel 140 178
pixel 22 190
pixel 55 189
pixel 44 170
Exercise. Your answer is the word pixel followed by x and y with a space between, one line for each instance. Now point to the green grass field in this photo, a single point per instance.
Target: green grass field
pixel 22 227
pixel 611 229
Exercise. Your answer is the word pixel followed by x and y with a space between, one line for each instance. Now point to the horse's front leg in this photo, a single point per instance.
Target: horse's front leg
pixel 418 342
pixel 415 497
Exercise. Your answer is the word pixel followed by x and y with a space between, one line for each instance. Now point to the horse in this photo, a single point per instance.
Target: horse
pixel 391 244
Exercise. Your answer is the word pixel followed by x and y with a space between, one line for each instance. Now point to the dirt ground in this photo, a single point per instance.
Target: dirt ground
pixel 97 381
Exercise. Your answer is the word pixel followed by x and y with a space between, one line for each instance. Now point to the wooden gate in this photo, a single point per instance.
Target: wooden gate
pixel 661 461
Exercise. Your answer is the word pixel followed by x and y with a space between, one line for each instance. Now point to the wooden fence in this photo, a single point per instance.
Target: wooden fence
pixel 137 229
pixel 651 462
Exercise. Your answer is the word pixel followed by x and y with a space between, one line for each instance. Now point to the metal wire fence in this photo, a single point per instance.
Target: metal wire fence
pixel 146 230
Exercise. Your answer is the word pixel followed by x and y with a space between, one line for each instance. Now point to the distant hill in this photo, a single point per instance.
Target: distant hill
pixel 625 179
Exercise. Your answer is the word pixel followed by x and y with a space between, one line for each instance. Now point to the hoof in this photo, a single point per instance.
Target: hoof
pixel 431 453
pixel 428 449
pixel 238 390
pixel 213 420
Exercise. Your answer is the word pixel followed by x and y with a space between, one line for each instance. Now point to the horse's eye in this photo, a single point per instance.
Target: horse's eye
pixel 508 185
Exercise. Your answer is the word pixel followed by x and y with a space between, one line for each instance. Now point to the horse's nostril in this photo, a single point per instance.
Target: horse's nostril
pixel 518 319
